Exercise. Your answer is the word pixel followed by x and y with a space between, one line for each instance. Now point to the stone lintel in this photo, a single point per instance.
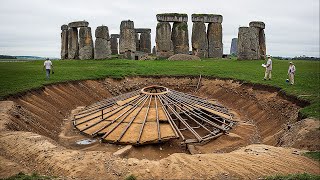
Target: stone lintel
pixel 64 27
pixel 257 24
pixel 207 18
pixel 77 24
pixel 142 30
pixel 172 17
pixel 115 35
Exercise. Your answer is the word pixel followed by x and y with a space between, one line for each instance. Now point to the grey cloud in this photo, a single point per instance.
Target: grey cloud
pixel 33 27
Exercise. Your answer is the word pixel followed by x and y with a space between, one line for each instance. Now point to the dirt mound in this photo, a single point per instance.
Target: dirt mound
pixel 36 134
pixel 183 57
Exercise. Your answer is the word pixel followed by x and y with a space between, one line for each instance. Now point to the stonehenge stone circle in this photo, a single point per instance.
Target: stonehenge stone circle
pixel 199 40
pixel 251 41
pixel 102 49
pixel 85 43
pixel 114 43
pixel 64 41
pixel 213 33
pixel 234 46
pixel 163 40
pixel 127 43
pixel 73 44
pixel 172 17
pixel 180 38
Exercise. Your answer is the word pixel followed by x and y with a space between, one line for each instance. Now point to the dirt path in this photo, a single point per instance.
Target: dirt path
pixel 36 135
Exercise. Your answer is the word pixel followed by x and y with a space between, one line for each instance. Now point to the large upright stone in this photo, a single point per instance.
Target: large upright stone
pixel 215 45
pixel 127 39
pixel 145 42
pixel 199 40
pixel 64 42
pixel 73 44
pixel 262 41
pixel 248 43
pixel 102 49
pixel 78 24
pixel 114 43
pixel 163 40
pixel 180 38
pixel 172 17
pixel 262 44
pixel 85 43
pixel 234 46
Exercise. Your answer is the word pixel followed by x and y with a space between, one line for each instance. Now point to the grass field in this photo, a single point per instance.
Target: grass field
pixel 17 77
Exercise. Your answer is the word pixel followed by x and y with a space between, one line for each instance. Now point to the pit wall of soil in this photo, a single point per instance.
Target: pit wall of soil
pixel 34 136
pixel 44 111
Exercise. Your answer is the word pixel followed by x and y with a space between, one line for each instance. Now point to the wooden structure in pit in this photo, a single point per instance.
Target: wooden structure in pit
pixel 154 114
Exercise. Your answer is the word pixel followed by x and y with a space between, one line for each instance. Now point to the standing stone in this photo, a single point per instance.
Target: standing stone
pixel 64 42
pixel 73 44
pixel 163 40
pixel 234 46
pixel 114 44
pixel 199 40
pixel 260 26
pixel 215 45
pixel 102 49
pixel 180 38
pixel 262 44
pixel 145 42
pixel 85 43
pixel 127 39
pixel 137 39
pixel 248 43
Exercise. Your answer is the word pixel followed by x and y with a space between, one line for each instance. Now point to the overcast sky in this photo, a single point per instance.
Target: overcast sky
pixel 32 27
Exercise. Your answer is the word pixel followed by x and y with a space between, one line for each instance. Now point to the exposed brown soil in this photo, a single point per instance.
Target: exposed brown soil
pixel 36 134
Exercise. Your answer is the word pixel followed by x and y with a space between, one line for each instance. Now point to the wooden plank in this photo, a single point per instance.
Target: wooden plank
pixel 123 102
pixel 214 112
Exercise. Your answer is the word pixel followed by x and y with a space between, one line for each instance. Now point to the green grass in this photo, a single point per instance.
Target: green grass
pixel 17 77
pixel 303 176
pixel 22 176
pixel 313 155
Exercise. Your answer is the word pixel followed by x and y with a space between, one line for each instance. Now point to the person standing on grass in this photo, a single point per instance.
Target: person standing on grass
pixel 48 65
pixel 267 74
pixel 291 72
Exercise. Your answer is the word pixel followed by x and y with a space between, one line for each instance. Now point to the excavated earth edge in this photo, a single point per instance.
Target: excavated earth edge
pixel 30 125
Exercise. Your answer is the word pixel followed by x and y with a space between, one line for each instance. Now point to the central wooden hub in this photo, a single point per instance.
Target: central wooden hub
pixel 155 90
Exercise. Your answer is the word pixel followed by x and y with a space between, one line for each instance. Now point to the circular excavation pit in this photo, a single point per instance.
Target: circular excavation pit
pixel 50 126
